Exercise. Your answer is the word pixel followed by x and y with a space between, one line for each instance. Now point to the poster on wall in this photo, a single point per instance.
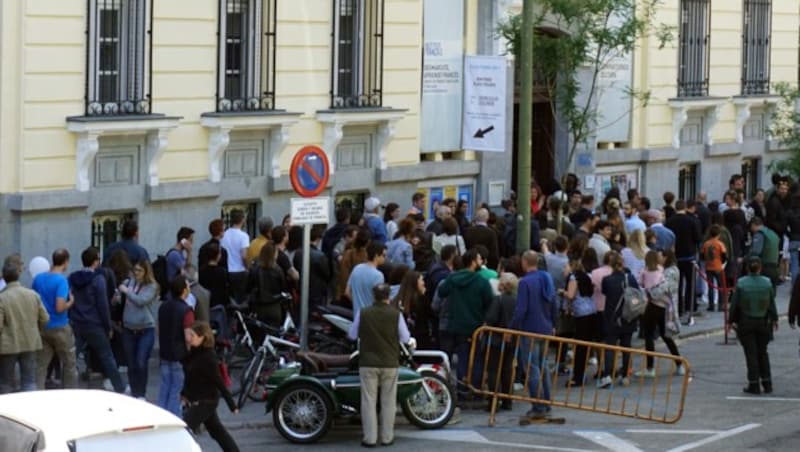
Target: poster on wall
pixel 484 127
pixel 465 194
pixel 435 196
pixel 623 180
pixel 442 75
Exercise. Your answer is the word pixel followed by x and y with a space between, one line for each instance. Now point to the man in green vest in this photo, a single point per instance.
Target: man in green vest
pixel 765 246
pixel 754 316
pixel 380 329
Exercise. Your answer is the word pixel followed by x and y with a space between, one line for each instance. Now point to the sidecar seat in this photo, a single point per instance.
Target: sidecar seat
pixel 319 363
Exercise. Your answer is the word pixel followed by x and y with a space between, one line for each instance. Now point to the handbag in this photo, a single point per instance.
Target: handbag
pixel 583 306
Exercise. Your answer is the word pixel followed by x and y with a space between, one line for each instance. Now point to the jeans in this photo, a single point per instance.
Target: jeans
pixel 206 413
pixel 97 341
pixel 138 344
pixel 59 342
pixel 714 279
pixel 794 262
pixel 535 364
pixel 622 337
pixel 27 371
pixel 375 380
pixel 686 287
pixel 463 346
pixel 169 394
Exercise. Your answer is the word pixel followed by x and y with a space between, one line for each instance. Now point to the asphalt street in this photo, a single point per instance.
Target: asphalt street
pixel 717 415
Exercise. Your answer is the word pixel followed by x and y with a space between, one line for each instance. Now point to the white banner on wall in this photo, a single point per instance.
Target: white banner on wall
pixel 484 127
pixel 442 75
pixel 613 96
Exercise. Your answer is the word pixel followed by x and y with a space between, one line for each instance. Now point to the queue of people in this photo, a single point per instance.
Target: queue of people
pixel 446 276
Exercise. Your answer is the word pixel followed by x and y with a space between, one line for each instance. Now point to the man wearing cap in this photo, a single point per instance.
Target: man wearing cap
pixel 374 221
pixel 754 316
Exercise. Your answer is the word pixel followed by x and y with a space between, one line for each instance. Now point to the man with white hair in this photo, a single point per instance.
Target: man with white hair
pixel 373 221
pixel 665 239
pixel 437 225
pixel 481 234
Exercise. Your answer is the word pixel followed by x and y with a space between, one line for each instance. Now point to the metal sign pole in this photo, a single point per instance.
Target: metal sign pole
pixel 304 272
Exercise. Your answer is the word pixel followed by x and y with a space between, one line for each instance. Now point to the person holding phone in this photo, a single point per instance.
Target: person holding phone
pixel 181 254
pixel 203 387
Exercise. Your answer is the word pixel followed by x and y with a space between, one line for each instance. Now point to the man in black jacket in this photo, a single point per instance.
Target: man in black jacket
pixel 175 320
pixel 482 234
pixel 320 270
pixel 687 241
pixel 778 208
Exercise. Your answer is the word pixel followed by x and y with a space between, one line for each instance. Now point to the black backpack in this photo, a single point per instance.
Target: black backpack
pixel 160 273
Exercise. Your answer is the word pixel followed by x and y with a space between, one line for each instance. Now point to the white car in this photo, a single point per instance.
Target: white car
pixel 78 420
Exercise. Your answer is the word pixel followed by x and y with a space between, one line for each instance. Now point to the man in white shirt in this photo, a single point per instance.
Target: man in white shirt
pixel 236 242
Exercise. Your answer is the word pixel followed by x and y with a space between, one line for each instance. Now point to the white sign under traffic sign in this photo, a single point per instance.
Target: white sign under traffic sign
pixel 484 127
pixel 311 210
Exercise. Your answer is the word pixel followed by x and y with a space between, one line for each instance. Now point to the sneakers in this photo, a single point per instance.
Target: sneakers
pixel 605 382
pixel 593 361
pixel 536 414
pixel 107 385
pixel 688 320
pixel 680 370
pixel 624 381
pixel 647 373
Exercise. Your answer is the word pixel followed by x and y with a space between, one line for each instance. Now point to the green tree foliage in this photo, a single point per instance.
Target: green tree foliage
pixel 577 34
pixel 784 128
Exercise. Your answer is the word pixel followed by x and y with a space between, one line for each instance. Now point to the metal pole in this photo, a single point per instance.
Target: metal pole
pixel 304 272
pixel 525 124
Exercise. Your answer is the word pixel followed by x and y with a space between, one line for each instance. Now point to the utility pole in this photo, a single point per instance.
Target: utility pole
pixel 525 123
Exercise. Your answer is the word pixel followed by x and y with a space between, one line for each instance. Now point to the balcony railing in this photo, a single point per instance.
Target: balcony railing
pixel 695 36
pixel 357 57
pixel 756 48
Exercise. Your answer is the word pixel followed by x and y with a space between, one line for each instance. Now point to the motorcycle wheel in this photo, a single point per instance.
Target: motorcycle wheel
pixel 303 413
pixel 430 414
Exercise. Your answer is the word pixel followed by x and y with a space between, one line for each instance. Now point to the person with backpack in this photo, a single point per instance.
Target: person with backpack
pixel 714 256
pixel 265 284
pixel 90 316
pixel 618 330
pixel 580 304
pixel 659 315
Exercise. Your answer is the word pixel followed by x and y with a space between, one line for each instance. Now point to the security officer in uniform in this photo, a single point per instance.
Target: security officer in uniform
pixel 765 246
pixel 754 317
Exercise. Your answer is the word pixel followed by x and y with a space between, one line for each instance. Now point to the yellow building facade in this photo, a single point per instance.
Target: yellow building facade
pixel 173 112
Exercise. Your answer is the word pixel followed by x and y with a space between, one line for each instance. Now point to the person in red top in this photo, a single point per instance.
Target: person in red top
pixel 714 254
pixel 538 199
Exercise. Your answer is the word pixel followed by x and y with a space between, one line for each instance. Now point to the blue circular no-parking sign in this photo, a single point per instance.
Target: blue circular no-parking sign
pixel 309 172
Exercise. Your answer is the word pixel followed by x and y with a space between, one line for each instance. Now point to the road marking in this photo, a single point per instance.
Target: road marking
pixel 608 441
pixel 671 432
pixel 470 436
pixel 765 399
pixel 715 438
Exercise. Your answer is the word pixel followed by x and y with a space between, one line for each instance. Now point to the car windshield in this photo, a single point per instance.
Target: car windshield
pixel 173 439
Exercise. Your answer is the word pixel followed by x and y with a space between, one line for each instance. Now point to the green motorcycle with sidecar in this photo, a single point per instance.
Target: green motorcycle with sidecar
pixel 308 395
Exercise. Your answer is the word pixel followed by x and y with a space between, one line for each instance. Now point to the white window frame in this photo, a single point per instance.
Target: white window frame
pixel 251 51
pixel 127 73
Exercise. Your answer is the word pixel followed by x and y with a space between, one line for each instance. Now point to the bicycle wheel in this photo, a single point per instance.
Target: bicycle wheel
pixel 248 378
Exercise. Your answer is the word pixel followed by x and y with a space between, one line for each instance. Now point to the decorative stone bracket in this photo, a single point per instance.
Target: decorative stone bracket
pixel 334 122
pixel 89 130
pixel 680 114
pixel 744 106
pixel 220 125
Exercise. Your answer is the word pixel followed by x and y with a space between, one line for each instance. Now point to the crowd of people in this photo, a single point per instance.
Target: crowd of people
pixel 447 276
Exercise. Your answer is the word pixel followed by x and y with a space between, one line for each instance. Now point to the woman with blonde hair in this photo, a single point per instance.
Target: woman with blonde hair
pixel 633 255
pixel 140 294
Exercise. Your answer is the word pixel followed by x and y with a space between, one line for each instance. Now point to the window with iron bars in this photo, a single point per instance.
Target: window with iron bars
pixel 119 57
pixel 357 57
pixel 756 38
pixel 687 182
pixel 246 80
pixel 250 216
pixel 107 228
pixel 693 55
pixel 750 170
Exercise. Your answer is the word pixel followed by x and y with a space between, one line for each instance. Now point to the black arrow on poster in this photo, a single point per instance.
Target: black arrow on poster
pixel 482 132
